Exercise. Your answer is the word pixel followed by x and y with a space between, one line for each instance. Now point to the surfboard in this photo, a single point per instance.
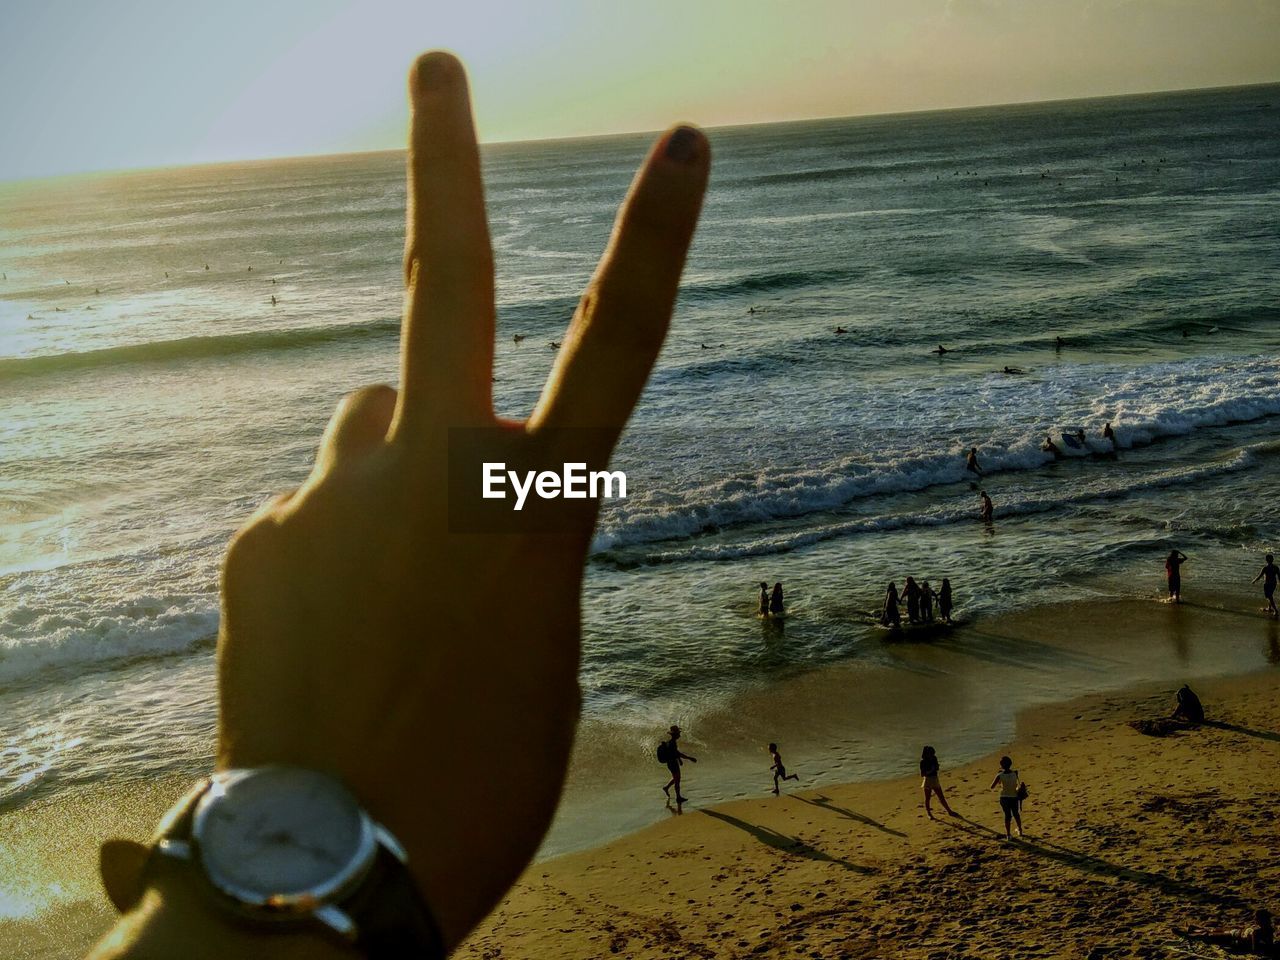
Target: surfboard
pixel 1073 442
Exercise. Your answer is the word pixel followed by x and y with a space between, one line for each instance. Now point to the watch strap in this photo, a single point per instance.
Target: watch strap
pixel 392 920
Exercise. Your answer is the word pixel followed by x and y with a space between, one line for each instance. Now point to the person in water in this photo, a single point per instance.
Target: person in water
pixel 971 462
pixel 1173 573
pixel 986 511
pixel 776 607
pixel 1189 707
pixel 930 783
pixel 944 601
pixel 779 771
pixel 1013 371
pixel 1110 436
pixel 1010 798
pixel 890 616
pixel 911 593
pixel 926 602
pixel 941 350
pixel 1051 447
pixel 674 758
pixel 764 599
pixel 1257 938
pixel 1270 572
pixel 1080 438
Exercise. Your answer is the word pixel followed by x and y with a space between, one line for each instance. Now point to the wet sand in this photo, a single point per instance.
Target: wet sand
pixel 1128 834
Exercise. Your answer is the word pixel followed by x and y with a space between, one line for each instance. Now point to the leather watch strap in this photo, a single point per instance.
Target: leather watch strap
pixel 392 921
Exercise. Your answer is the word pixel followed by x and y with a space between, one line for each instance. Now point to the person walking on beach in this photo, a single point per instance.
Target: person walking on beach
pixel 669 753
pixel 890 616
pixel 944 601
pixel 764 599
pixel 1010 795
pixel 929 768
pixel 1270 572
pixel 776 607
pixel 971 462
pixel 986 510
pixel 926 602
pixel 779 771
pixel 911 593
pixel 1173 573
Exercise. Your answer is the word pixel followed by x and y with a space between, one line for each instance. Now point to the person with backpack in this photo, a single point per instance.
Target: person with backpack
pixel 1012 793
pixel 669 753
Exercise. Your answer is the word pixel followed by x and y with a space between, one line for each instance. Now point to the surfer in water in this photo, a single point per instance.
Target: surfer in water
pixel 971 462
pixel 1013 371
pixel 1173 573
pixel 1051 447
pixel 764 599
pixel 944 601
pixel 776 607
pixel 1270 572
pixel 984 513
pixel 911 593
pixel 941 350
pixel 1110 436
pixel 891 617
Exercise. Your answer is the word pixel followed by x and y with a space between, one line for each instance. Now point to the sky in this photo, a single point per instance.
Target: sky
pixel 119 84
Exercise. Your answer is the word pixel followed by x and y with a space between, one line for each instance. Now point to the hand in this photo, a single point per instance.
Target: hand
pixel 435 672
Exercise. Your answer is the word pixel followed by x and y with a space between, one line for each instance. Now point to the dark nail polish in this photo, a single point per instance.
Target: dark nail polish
pixel 682 145
pixel 435 70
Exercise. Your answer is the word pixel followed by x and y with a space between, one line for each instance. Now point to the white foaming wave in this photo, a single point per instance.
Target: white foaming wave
pixel 1015 507
pixel 35 641
pixel 1161 400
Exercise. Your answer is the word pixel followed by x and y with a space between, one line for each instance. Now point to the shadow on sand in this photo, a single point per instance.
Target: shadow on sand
pixel 826 804
pixel 1087 863
pixel 780 841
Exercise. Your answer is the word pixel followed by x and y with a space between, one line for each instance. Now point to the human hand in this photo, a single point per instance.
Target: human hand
pixel 435 672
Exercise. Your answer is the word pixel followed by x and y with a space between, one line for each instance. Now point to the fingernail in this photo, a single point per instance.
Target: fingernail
pixel 434 70
pixel 682 145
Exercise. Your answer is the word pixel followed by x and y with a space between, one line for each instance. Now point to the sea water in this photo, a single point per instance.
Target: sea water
pixel 151 394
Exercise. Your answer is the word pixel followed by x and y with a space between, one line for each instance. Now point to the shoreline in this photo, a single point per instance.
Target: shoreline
pixel 55 839
pixel 1127 835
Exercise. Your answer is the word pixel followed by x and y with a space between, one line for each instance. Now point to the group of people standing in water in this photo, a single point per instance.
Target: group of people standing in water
pixel 920 600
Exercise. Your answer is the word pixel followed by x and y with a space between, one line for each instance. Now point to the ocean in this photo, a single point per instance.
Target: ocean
pixel 151 395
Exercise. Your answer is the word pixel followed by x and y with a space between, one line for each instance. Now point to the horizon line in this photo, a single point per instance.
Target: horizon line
pixel 242 161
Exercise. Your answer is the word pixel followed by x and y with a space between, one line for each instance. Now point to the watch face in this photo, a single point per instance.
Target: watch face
pixel 281 836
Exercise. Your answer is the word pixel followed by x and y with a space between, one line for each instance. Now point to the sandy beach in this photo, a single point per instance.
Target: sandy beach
pixel 1128 834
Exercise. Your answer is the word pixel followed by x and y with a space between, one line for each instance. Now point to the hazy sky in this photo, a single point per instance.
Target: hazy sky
pixel 103 84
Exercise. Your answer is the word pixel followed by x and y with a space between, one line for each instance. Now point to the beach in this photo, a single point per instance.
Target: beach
pixel 1127 833
pixel 175 339
pixel 1127 836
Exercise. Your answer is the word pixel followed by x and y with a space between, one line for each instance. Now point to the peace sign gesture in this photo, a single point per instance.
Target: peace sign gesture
pixel 434 670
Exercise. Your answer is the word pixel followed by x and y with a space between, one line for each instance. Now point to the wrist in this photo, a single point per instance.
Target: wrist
pixel 175 920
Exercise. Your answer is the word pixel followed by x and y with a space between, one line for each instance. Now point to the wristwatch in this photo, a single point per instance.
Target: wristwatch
pixel 282 848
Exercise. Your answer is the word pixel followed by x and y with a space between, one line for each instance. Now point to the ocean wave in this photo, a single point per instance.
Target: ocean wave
pixel 1016 507
pixel 36 640
pixel 786 494
pixel 196 348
